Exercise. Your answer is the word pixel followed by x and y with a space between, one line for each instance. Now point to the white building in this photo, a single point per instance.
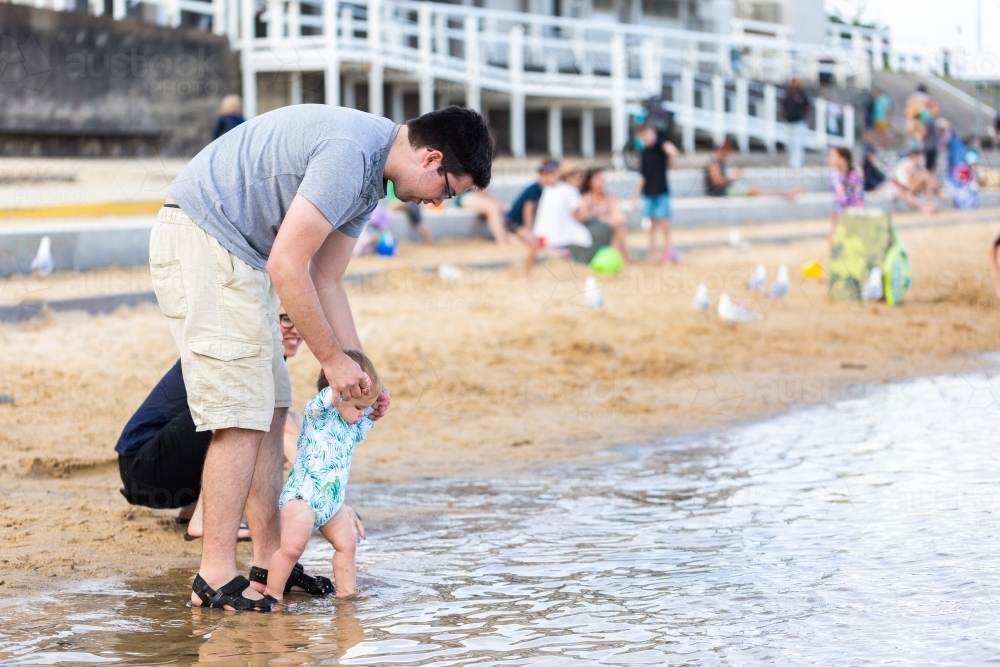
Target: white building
pixel 551 75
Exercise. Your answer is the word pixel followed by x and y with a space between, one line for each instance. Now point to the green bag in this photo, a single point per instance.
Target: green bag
pixel 860 241
pixel 896 273
pixel 607 261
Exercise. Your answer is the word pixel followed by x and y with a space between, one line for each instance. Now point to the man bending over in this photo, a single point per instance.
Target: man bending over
pixel 273 209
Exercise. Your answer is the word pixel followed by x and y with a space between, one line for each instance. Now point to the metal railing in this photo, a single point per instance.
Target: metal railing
pixel 526 59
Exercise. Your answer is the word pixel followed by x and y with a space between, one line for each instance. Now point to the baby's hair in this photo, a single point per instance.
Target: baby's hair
pixel 366 365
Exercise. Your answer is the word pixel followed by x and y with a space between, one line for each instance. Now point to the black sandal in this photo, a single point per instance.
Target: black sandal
pixel 312 585
pixel 231 594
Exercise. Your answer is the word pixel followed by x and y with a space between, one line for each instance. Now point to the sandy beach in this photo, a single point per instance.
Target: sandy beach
pixel 489 374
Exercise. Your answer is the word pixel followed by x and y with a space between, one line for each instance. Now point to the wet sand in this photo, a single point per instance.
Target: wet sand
pixel 489 375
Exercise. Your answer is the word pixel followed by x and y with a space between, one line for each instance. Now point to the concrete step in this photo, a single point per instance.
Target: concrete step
pixel 76 246
pixel 104 303
pixel 686 182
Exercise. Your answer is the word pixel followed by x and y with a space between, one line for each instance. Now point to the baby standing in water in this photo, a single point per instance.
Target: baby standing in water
pixel 313 497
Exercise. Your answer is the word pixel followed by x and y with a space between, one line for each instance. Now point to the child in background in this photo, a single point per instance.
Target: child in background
pixel 848 184
pixel 654 186
pixel 911 180
pixel 520 219
pixel 313 497
pixel 881 107
pixel 377 227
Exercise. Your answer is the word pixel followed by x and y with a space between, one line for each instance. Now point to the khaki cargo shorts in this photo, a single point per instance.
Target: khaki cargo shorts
pixel 223 314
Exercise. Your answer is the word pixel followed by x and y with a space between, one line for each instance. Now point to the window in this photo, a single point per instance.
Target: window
pixel 606 6
pixel 767 11
pixel 669 9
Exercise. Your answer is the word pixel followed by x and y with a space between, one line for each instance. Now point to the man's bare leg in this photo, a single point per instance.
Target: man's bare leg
pixel 262 503
pixel 228 471
pixel 293 427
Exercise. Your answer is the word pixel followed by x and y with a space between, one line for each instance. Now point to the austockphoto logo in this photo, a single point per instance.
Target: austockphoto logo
pixel 134 65
pixel 23 65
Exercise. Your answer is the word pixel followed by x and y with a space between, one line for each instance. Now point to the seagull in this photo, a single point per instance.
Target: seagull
pixel 735 240
pixel 43 259
pixel 701 301
pixel 758 281
pixel 779 288
pixel 592 293
pixel 449 273
pixel 872 291
pixel 730 312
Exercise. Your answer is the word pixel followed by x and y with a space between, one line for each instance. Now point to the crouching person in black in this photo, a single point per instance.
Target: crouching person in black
pixel 161 456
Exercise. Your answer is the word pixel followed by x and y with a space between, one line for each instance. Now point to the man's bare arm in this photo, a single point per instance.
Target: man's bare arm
pixel 327 270
pixel 302 233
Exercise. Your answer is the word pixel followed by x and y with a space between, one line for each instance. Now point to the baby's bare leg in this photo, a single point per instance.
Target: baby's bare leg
pixel 341 532
pixel 297 519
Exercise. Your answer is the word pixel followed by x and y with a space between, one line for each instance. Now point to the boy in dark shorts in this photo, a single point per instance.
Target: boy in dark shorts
pixel 520 219
pixel 655 189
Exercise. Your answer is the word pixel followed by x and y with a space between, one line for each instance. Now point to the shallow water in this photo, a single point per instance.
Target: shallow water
pixel 860 531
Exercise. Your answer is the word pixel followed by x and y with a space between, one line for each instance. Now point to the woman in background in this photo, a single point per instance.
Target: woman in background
pixel 605 207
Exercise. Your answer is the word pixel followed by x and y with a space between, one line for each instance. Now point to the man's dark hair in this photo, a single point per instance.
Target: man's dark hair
pixel 921 88
pixel 462 136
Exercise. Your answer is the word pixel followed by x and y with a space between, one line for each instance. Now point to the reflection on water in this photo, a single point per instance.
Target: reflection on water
pixel 862 531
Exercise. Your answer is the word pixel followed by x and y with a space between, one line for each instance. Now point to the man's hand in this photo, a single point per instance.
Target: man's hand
pixel 346 379
pixel 381 404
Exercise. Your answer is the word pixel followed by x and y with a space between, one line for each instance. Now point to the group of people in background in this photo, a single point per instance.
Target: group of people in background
pixel 914 176
pixel 570 210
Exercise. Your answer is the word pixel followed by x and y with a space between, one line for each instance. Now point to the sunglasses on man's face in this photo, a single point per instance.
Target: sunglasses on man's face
pixel 285 321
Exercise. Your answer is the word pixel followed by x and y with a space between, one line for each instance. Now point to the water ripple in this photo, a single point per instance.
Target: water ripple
pixel 859 532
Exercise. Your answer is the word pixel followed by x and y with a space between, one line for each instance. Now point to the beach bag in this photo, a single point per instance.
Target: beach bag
pixel 860 241
pixel 896 272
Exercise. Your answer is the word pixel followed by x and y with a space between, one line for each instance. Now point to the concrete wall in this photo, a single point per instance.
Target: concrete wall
pixel 67 74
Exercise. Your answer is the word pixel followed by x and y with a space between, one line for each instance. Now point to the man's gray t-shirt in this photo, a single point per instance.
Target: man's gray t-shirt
pixel 240 186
